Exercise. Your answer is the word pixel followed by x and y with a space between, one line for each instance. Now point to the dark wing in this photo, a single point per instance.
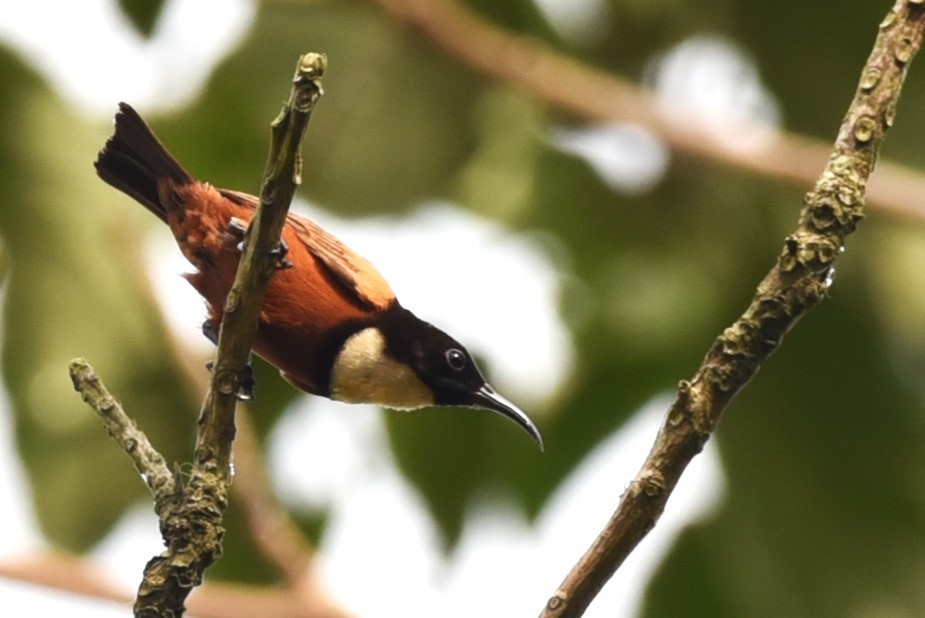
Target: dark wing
pixel 347 266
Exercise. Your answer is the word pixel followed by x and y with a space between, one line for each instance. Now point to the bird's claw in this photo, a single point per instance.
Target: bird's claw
pixel 247 383
pixel 238 229
pixel 279 252
pixel 210 330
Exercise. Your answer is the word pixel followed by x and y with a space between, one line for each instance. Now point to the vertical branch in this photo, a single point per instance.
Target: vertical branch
pixel 191 522
pixel 259 261
pixel 797 283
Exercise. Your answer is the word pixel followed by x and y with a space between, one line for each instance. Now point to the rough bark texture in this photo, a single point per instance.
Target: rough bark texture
pixel 798 281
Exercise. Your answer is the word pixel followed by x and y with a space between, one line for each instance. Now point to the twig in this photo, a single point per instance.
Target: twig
pixel 193 532
pixel 191 515
pixel 272 529
pixel 270 526
pixel 798 282
pixel 148 462
pixel 258 263
pixel 597 96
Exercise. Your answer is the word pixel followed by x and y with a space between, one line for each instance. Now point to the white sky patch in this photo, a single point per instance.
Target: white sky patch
pixel 714 78
pixel 183 307
pixel 709 80
pixel 582 22
pixel 322 451
pixel 95 58
pixel 42 601
pixel 500 557
pixel 127 548
pixel 626 156
pixel 380 554
pixel 580 508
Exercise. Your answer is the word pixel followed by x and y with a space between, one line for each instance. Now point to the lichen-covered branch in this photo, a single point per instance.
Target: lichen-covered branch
pixel 798 282
pixel 191 514
pixel 192 531
pixel 150 464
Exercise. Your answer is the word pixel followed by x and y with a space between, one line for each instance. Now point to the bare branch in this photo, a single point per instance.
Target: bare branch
pixel 192 531
pixel 797 283
pixel 148 462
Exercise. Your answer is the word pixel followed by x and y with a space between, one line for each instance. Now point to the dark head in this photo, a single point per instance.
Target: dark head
pixel 402 362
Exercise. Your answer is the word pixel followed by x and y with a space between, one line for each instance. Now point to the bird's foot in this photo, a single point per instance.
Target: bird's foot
pixel 210 330
pixel 279 252
pixel 247 382
pixel 238 229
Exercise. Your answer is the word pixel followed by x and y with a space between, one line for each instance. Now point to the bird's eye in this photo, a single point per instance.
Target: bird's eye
pixel 456 359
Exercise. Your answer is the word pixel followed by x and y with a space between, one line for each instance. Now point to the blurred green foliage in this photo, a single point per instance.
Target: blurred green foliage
pixel 823 452
pixel 72 289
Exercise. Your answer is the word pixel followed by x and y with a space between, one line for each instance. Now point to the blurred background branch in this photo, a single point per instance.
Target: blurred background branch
pixel 74 574
pixel 597 96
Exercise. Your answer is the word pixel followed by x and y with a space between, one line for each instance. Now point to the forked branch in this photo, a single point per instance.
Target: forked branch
pixel 191 514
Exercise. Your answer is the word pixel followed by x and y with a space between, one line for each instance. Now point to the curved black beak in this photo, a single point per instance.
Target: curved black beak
pixel 487 398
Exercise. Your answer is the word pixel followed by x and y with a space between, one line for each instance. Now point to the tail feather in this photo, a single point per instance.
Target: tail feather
pixel 134 160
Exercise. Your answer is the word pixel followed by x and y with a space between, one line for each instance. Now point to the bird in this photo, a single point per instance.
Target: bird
pixel 330 323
